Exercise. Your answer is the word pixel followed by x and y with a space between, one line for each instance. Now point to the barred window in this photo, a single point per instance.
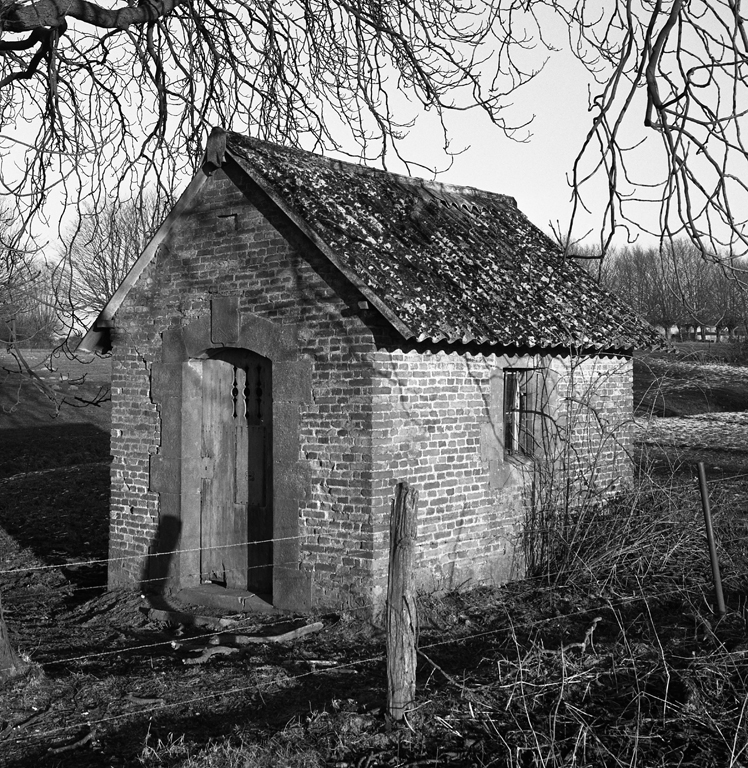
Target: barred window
pixel 521 388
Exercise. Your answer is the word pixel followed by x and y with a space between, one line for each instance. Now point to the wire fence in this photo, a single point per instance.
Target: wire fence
pixel 150 711
pixel 509 629
pixel 239 624
pixel 143 557
pixel 144 583
pixel 368 607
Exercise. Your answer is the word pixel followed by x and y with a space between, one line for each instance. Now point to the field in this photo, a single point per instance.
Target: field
pixel 609 655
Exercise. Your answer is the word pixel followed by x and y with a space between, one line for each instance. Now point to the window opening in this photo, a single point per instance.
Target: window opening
pixel 234 394
pixel 246 394
pixel 520 409
pixel 258 393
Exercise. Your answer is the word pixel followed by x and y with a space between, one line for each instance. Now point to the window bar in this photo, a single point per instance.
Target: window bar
pixel 510 391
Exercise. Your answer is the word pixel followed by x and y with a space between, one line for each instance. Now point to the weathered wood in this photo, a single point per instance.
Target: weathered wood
pixel 189 619
pixel 718 594
pixel 71 745
pixel 145 701
pixel 224 556
pixel 213 650
pixel 236 505
pixel 23 722
pixel 402 619
pixel 286 637
pixel 11 664
pixel 218 645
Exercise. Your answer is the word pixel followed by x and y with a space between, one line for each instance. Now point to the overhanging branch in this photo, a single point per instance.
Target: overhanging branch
pixel 42 36
pixel 37 36
pixel 52 13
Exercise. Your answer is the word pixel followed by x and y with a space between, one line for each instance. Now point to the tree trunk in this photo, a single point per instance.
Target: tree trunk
pixel 11 664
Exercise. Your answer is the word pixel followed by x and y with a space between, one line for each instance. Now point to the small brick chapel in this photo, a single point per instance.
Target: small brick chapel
pixel 302 333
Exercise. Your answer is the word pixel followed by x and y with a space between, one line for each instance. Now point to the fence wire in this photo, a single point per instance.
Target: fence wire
pixel 381 657
pixel 146 555
pixel 366 607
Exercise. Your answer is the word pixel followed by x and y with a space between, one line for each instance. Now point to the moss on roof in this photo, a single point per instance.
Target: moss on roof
pixel 446 262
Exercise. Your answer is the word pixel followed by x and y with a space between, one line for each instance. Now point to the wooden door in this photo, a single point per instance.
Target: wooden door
pixel 236 505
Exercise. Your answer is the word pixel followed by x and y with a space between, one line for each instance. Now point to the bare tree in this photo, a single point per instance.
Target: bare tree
pixel 27 314
pixel 16 274
pixel 694 282
pixel 31 319
pixel 735 297
pixel 101 95
pixel 678 67
pixel 97 252
pixel 99 98
pixel 674 285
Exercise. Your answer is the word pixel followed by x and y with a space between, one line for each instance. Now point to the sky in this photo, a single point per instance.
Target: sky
pixel 536 172
pixel 533 172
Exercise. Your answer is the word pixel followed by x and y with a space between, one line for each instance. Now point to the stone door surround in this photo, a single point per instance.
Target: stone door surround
pixel 176 390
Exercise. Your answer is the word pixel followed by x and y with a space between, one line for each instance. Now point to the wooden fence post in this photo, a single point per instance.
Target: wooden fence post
pixel 710 541
pixel 402 619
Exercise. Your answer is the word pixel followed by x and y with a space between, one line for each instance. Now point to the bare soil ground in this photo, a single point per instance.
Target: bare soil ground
pixel 691 405
pixel 618 662
pixel 691 379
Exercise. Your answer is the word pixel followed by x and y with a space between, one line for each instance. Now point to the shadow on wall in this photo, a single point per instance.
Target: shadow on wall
pixel 155 574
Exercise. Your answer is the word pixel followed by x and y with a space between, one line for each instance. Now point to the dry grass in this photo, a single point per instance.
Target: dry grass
pixel 653 534
pixel 612 656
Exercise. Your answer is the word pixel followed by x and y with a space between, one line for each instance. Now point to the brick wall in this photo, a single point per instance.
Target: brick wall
pixel 376 412
pixel 438 423
pixel 595 396
pixel 224 247
pixel 135 433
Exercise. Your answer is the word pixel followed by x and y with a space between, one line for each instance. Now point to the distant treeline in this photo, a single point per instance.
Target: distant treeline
pixel 678 289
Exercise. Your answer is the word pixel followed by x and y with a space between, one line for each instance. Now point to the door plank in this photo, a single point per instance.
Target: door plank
pixel 241 472
pixel 236 457
pixel 217 452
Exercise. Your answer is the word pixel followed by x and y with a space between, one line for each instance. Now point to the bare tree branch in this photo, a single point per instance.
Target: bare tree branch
pixel 101 101
pixel 23 17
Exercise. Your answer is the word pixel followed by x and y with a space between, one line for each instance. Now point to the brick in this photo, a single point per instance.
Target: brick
pixel 357 410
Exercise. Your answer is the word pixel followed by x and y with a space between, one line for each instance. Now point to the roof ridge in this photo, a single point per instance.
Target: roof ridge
pixel 438 187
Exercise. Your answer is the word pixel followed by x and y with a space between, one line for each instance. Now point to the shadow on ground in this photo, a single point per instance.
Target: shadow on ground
pixel 54 496
pixel 49 446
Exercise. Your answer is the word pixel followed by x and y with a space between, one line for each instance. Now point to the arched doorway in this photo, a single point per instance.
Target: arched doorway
pixel 274 494
pixel 236 505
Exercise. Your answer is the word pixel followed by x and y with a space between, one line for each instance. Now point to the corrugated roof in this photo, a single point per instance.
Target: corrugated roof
pixel 445 262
